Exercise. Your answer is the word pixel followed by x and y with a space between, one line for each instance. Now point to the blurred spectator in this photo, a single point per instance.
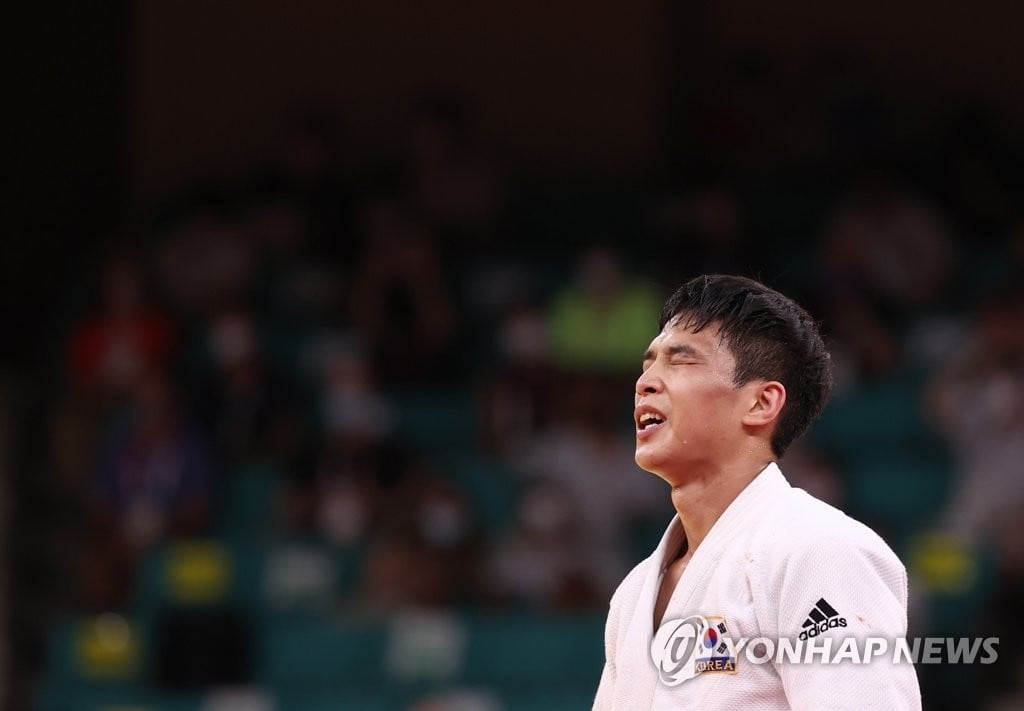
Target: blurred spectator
pixel 704 226
pixel 305 196
pixel 425 554
pixel 516 399
pixel 279 225
pixel 978 401
pixel 124 339
pixel 587 455
pixel 400 303
pixel 448 539
pixel 153 480
pixel 605 318
pixel 865 346
pixel 888 244
pixel 241 401
pixel 544 561
pixel 207 258
pixel 352 408
pixel 360 461
pixel 344 507
pixel 395 577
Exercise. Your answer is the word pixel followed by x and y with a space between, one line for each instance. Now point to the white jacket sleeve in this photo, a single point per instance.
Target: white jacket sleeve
pixel 844 587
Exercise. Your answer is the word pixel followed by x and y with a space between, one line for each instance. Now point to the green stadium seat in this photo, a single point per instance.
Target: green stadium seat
pixel 320 653
pixel 534 649
pixel 876 414
pixel 105 649
pixel 437 421
pixel 252 578
pixel 900 488
pixel 93 661
pixel 63 698
pixel 187 573
pixel 956 575
pixel 362 699
pixel 299 574
pixel 250 503
pixel 559 698
pixel 897 469
pixel 491 488
pixel 511 653
pixel 69 698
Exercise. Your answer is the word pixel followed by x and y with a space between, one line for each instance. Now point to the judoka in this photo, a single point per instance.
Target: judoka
pixel 736 373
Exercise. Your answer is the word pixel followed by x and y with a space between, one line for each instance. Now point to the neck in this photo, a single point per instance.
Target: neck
pixel 701 499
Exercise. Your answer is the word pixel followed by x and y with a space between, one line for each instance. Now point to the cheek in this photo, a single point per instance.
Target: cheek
pixel 710 408
pixel 694 426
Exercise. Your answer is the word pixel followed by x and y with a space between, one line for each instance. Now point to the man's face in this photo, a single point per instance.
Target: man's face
pixel 688 410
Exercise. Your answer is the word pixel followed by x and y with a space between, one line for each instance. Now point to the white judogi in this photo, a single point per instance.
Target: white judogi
pixel 764 566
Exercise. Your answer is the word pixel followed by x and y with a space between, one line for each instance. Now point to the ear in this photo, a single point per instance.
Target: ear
pixel 768 398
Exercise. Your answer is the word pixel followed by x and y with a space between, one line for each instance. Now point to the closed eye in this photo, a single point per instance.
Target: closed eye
pixel 684 354
pixel 679 354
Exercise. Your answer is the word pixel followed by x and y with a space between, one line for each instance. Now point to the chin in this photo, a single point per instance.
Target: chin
pixel 662 466
pixel 650 463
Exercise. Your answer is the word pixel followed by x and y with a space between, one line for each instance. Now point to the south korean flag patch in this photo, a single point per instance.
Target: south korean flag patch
pixel 716 652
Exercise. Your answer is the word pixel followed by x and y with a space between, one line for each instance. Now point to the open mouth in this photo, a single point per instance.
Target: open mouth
pixel 648 420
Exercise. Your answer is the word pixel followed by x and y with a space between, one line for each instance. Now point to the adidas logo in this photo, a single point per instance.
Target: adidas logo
pixel 821 618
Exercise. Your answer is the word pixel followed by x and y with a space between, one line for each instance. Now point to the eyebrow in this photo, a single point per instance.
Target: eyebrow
pixel 677 349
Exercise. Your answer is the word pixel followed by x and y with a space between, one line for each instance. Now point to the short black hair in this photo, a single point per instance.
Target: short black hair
pixel 771 338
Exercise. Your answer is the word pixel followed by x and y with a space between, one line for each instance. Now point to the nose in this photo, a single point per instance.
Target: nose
pixel 648 383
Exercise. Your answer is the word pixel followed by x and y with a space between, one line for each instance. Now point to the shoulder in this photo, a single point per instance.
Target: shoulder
pixel 812 547
pixel 805 525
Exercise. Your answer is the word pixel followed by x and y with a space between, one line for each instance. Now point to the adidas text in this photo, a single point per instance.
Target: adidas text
pixel 817 629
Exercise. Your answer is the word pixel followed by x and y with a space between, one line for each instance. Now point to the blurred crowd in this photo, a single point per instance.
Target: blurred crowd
pixel 437 383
